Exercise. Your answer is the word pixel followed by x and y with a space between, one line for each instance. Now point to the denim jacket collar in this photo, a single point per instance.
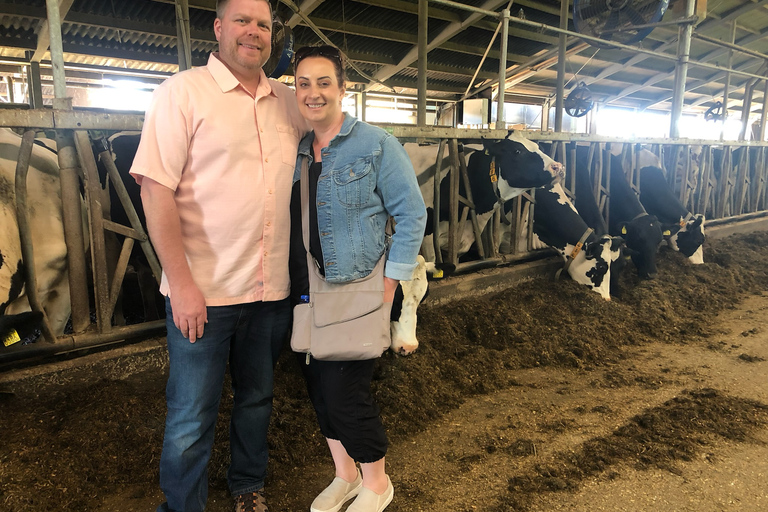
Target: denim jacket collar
pixel 346 128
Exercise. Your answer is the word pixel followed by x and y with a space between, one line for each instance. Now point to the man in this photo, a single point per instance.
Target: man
pixel 215 164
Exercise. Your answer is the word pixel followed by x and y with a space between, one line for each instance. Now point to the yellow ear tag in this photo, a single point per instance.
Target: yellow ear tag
pixel 437 274
pixel 666 232
pixel 11 338
pixel 624 230
pixel 576 250
pixel 492 172
pixel 682 223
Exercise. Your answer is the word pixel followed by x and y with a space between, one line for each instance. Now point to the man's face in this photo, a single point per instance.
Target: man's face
pixel 244 33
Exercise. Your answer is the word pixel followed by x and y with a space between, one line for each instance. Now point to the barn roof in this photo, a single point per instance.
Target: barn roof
pixel 111 38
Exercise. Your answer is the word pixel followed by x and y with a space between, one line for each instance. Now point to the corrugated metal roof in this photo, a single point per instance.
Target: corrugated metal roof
pixel 379 34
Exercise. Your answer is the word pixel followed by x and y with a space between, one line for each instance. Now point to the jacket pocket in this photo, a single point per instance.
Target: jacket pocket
pixel 354 183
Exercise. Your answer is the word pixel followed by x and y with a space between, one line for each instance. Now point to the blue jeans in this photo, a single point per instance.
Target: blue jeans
pixel 249 337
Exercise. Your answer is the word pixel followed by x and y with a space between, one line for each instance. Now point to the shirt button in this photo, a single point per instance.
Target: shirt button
pixel 269 191
pixel 268 223
pixel 266 160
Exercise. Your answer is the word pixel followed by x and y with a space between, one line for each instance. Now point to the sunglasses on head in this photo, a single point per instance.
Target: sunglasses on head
pixel 327 51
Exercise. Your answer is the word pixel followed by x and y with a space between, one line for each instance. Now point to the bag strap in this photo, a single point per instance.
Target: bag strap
pixel 304 184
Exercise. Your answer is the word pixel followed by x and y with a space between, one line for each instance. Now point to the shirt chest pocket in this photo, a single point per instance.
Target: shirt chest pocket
pixel 354 183
pixel 289 143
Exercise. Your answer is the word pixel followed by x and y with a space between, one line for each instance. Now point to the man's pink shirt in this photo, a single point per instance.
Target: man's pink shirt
pixel 229 157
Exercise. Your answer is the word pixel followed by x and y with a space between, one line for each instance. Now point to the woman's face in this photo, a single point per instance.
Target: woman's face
pixel 318 91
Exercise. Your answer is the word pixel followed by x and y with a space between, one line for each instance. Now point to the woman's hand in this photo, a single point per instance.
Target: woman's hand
pixel 390 285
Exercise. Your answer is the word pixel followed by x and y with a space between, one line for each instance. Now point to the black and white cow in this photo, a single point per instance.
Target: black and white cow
pixel 122 147
pixel 627 218
pixel 408 296
pixel 498 171
pixel 590 258
pixel 50 251
pixel 686 231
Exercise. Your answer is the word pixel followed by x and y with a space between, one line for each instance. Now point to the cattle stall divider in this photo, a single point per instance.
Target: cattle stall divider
pixel 726 181
pixel 105 291
pixel 702 173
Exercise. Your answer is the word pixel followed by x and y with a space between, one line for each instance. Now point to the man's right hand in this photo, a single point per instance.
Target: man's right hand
pixel 189 312
pixel 163 224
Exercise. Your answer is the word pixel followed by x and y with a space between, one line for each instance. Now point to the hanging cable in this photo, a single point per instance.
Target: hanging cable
pixel 324 38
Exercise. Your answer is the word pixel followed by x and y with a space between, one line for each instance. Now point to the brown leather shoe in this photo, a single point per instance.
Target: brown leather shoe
pixel 251 502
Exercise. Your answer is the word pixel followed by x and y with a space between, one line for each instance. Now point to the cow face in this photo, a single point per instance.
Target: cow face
pixel 592 266
pixel 408 296
pixel 690 239
pixel 521 165
pixel 643 236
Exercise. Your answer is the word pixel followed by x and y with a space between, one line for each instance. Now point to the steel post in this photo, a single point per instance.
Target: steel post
pixel 57 52
pixel 34 83
pixel 561 59
pixel 500 124
pixel 763 114
pixel 25 234
pixel 727 87
pixel 184 43
pixel 70 186
pixel 681 70
pixel 421 112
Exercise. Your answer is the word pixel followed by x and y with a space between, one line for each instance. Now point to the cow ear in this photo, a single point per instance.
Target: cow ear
pixel 510 132
pixel 487 144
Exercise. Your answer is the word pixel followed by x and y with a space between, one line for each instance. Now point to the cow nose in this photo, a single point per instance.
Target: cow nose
pixel 557 169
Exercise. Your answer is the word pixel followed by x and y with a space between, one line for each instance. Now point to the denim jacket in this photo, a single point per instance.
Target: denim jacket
pixel 366 176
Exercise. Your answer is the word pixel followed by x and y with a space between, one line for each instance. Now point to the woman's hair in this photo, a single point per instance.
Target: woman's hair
pixel 329 52
pixel 221 6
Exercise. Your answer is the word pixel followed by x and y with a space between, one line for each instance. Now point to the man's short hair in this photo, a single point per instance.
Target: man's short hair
pixel 221 5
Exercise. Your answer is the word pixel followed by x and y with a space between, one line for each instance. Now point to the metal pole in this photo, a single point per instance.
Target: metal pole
pixel 500 124
pixel 730 45
pixel 57 55
pixel 9 83
pixel 727 87
pixel 78 342
pixel 764 112
pixel 34 83
pixel 561 58
pixel 70 185
pixel 421 112
pixel 184 44
pixel 681 70
pixel 25 234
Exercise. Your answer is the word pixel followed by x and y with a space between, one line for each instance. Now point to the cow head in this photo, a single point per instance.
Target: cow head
pixel 521 165
pixel 689 239
pixel 594 264
pixel 643 235
pixel 408 296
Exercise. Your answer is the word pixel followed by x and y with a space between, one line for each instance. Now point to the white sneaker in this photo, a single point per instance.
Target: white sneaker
pixel 369 501
pixel 337 494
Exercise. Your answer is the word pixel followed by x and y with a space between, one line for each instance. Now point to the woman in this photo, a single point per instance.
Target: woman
pixel 358 176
